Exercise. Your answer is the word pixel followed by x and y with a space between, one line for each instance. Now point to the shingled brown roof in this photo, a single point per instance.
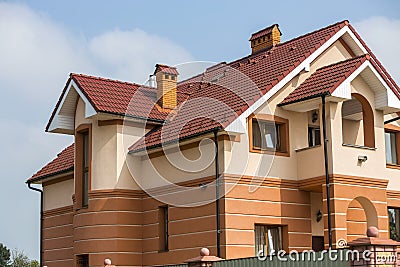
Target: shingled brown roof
pixel 325 80
pixel 64 162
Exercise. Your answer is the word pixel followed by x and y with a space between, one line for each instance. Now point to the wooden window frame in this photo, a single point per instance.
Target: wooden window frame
pixel 80 132
pixel 284 235
pixel 390 128
pixel 283 134
pixel 163 228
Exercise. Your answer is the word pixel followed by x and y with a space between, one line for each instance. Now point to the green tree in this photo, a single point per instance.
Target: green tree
pixel 19 259
pixel 4 256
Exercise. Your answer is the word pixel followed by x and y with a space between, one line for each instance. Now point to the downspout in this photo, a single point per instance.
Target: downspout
pixel 217 193
pixel 327 184
pixel 41 221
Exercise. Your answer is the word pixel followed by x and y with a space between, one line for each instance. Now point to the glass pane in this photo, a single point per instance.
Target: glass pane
pixel 256 134
pixel 85 188
pixel 260 239
pixel 274 240
pixel 317 137
pixel 85 150
pixel 394 223
pixel 390 146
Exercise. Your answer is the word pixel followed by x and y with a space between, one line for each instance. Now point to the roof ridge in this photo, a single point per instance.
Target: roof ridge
pixel 366 56
pixel 346 22
pixel 72 74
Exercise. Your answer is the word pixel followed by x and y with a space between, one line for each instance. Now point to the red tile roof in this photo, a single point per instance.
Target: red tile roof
pixel 64 162
pixel 265 69
pixel 112 96
pixel 325 80
pixel 166 69
pixel 263 32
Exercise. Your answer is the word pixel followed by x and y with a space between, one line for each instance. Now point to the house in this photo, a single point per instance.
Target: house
pixel 295 146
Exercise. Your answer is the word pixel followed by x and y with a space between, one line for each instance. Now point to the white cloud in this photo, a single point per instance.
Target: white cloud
pixel 133 54
pixel 382 35
pixel 36 56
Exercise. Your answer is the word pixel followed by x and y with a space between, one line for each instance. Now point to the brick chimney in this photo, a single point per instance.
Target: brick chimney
pixel 167 79
pixel 265 38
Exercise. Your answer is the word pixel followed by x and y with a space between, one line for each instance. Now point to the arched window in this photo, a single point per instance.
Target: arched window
pixel 358 122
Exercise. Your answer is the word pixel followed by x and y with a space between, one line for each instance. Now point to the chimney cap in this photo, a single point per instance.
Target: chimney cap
pixel 166 69
pixel 264 32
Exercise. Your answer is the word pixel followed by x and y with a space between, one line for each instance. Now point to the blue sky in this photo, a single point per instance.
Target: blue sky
pixel 41 42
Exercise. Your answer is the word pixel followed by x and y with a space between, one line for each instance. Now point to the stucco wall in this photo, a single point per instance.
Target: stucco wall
pixel 58 195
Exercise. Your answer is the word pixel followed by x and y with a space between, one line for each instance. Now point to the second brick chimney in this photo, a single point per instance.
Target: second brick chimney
pixel 265 38
pixel 167 79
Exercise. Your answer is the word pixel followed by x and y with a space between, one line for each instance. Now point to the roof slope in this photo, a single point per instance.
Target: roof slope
pixel 325 80
pixel 64 162
pixel 265 69
pixel 113 96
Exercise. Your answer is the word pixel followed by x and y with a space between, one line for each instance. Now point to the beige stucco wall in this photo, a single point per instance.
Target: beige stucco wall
pixel 238 159
pixel 110 145
pixel 180 165
pixel 317 228
pixel 345 159
pixel 58 195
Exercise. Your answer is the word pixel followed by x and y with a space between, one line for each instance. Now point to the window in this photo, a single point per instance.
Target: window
pixel 391 145
pixel 163 228
pixel 269 134
pixel 268 239
pixel 82 260
pixel 266 135
pixel 166 76
pixel 82 165
pixel 85 169
pixel 173 77
pixel 394 223
pixel 314 136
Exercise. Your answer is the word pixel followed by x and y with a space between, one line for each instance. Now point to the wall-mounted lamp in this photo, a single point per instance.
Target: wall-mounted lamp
pixel 314 116
pixel 362 158
pixel 319 215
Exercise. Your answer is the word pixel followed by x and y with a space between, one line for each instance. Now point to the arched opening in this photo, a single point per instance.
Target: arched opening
pixel 358 122
pixel 360 214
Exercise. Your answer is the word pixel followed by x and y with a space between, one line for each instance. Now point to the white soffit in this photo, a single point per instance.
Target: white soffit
pixel 64 118
pixel 385 99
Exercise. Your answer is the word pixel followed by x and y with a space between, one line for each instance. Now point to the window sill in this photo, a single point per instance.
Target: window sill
pixel 163 251
pixel 306 148
pixel 270 152
pixel 392 166
pixel 360 147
